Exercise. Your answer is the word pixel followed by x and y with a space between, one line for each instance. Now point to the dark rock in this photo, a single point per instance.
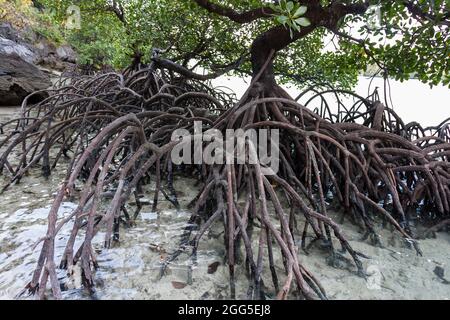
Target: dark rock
pixel 18 79
pixel 45 48
pixel 66 54
pixel 205 296
pixel 15 42
pixel 61 58
pixel 9 47
pixel 439 271
pixel 8 32
pixel 35 48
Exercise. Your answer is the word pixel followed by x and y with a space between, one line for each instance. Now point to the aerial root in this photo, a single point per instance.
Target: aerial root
pixel 114 134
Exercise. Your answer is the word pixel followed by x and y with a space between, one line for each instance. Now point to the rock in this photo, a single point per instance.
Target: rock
pixel 26 36
pixel 9 47
pixel 52 62
pixel 205 296
pixel 18 79
pixel 61 58
pixel 45 49
pixel 66 54
pixel 34 48
pixel 8 32
pixel 439 271
pixel 13 42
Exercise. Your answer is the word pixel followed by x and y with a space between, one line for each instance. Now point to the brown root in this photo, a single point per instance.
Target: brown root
pixel 115 132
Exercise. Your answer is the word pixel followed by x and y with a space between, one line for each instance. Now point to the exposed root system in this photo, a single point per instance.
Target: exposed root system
pixel 115 131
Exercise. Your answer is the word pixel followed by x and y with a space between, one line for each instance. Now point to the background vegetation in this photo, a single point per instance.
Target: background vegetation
pixel 389 37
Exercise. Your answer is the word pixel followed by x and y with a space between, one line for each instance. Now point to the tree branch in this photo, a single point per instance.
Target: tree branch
pixel 244 17
pixel 118 10
pixel 338 10
pixel 362 43
pixel 419 14
pixel 170 65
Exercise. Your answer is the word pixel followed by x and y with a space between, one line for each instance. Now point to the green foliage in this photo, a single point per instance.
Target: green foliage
pixel 21 15
pixel 289 14
pixel 100 38
pixel 47 27
pixel 402 45
pixel 405 46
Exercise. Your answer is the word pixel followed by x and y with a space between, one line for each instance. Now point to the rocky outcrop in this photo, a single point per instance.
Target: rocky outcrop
pixel 18 79
pixel 12 43
pixel 36 49
pixel 8 32
pixel 66 54
pixel 9 47
pixel 57 58
pixel 26 61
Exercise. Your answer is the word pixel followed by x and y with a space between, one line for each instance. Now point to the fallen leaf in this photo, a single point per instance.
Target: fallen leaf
pixel 178 285
pixel 212 268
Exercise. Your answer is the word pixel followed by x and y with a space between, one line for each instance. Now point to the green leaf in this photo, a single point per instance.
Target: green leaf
pixel 304 22
pixel 271 6
pixel 300 11
pixel 289 6
pixel 282 19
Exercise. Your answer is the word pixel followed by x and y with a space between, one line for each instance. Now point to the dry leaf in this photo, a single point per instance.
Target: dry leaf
pixel 178 285
pixel 212 268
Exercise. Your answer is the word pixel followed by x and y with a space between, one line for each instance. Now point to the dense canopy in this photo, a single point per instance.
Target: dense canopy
pixel 399 38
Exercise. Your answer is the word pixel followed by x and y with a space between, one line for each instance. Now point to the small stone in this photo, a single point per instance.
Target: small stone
pixel 439 271
pixel 205 296
pixel 179 285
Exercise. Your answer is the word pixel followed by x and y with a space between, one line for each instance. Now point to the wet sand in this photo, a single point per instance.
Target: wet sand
pixel 6 112
pixel 130 270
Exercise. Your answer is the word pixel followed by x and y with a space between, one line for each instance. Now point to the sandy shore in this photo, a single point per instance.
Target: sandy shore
pixel 7 111
pixel 130 271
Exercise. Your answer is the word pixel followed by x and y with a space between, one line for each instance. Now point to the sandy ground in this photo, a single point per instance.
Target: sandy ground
pixel 7 112
pixel 130 271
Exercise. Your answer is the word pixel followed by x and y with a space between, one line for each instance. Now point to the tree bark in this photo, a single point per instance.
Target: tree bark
pixel 275 39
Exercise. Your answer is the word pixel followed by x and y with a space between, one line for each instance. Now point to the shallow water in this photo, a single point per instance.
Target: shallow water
pixel 127 271
pixel 130 270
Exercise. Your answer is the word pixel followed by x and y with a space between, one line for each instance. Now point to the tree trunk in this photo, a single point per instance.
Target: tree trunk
pixel 273 40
